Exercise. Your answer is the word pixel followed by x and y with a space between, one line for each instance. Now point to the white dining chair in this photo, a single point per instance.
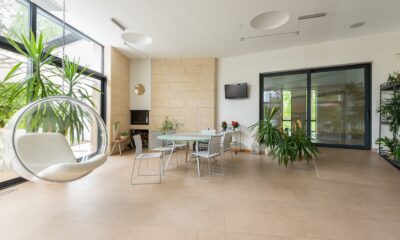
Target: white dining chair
pixel 177 144
pixel 213 151
pixel 157 145
pixel 226 143
pixel 140 156
pixel 202 145
pixel 225 147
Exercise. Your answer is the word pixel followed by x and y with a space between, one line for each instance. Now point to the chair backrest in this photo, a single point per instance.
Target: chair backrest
pixel 154 142
pixel 214 145
pixel 41 150
pixel 226 145
pixel 138 144
pixel 209 131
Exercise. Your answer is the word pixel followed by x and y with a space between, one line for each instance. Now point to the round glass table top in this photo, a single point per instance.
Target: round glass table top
pixel 185 137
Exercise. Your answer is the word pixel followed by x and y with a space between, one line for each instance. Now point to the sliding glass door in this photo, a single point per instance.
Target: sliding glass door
pixel 289 93
pixel 333 104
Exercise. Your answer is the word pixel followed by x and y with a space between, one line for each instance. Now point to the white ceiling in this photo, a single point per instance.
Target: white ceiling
pixel 213 28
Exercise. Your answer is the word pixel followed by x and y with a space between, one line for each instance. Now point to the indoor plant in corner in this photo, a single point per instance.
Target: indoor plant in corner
pixel 296 146
pixel 390 111
pixel 266 131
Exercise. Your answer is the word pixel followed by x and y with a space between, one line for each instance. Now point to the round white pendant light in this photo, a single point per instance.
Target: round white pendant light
pixel 270 20
pixel 136 38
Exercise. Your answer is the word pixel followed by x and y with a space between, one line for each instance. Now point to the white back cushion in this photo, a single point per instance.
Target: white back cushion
pixel 41 150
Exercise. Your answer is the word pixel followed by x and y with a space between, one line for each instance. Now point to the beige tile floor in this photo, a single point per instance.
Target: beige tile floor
pixel 350 194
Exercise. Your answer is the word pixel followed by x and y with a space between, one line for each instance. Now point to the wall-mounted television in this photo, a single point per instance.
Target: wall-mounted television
pixel 139 117
pixel 236 91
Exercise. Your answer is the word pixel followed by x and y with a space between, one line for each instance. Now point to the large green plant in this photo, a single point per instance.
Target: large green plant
pixel 393 145
pixel 390 110
pixel 305 149
pixel 65 118
pixel 7 109
pixel 266 132
pixel 286 147
pixel 36 85
pixel 296 146
pixel 75 119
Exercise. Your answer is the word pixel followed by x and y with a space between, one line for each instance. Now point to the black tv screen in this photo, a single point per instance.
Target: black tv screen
pixel 233 91
pixel 140 117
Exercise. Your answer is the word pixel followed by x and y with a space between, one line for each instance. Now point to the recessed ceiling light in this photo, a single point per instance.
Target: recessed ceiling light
pixel 270 20
pixel 136 38
pixel 357 25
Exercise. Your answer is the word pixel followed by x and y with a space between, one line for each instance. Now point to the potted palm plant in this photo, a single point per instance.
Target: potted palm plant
pixel 266 131
pixel 124 135
pixel 295 147
pixel 390 111
pixel 71 120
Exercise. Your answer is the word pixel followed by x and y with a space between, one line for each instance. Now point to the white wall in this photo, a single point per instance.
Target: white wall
pixel 140 73
pixel 382 50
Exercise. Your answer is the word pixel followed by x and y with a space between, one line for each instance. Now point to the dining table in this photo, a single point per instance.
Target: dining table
pixel 186 137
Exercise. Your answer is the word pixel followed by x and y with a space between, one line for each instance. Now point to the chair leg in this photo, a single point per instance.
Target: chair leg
pixel 209 166
pixel 139 174
pixel 223 164
pixel 140 164
pixel 119 146
pixel 112 150
pixel 133 170
pixel 169 158
pixel 198 166
pixel 161 168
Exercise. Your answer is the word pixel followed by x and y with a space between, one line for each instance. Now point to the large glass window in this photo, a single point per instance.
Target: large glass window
pixel 339 106
pixel 288 92
pixel 14 17
pixel 77 46
pixel 7 61
pixel 331 103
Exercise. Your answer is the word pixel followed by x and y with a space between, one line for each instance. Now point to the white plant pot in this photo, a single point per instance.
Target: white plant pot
pixel 268 151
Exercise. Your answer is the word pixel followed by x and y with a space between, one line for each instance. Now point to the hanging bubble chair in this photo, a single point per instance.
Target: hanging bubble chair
pixel 55 140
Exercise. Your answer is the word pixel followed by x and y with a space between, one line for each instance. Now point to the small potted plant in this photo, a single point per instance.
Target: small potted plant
pixel 224 125
pixel 235 125
pixel 169 126
pixel 124 135
pixel 114 126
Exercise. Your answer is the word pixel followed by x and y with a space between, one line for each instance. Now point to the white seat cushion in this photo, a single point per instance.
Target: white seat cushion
pixel 49 156
pixel 41 150
pixel 180 145
pixel 72 171
pixel 148 155
pixel 204 154
pixel 162 149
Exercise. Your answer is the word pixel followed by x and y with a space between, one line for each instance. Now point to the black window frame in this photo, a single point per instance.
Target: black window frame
pixel 32 25
pixel 309 71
